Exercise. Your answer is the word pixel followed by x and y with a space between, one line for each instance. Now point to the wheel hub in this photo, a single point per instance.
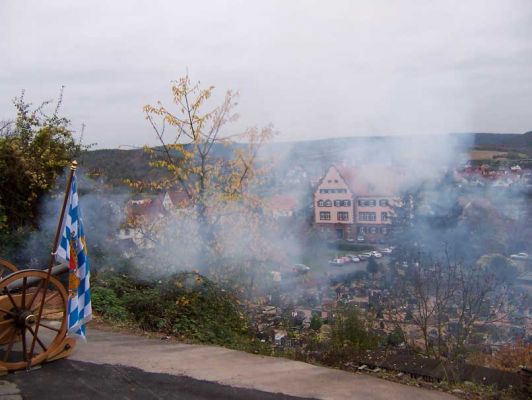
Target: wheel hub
pixel 26 319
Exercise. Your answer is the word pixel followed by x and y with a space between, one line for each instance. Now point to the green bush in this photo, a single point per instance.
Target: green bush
pixel 315 322
pixel 185 304
pixel 350 331
pixel 106 303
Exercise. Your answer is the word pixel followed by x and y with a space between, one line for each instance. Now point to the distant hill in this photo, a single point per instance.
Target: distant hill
pixel 116 165
pixel 507 142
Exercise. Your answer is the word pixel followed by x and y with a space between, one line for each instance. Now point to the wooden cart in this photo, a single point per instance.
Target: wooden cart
pixel 33 309
pixel 33 317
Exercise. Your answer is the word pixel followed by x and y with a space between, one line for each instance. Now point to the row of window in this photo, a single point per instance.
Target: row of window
pixel 340 215
pixel 337 203
pixel 372 216
pixel 373 203
pixel 373 229
pixel 333 190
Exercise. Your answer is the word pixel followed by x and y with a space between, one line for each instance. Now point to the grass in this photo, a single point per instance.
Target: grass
pixel 488 155
pixel 186 305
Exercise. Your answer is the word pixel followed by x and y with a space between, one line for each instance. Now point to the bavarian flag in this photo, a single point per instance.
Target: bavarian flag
pixel 73 250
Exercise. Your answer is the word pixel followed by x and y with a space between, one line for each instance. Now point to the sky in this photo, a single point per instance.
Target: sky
pixel 313 69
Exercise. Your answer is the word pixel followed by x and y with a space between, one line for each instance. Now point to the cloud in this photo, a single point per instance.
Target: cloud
pixel 313 69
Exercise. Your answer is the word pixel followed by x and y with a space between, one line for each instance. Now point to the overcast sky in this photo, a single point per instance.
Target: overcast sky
pixel 314 69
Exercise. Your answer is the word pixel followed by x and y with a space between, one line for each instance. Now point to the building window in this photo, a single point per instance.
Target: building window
pixel 346 203
pixel 384 216
pixel 328 203
pixel 383 203
pixel 361 229
pixel 373 229
pixel 367 203
pixel 320 203
pixel 384 230
pixel 325 215
pixel 367 216
pixel 337 203
pixel 336 181
pixel 343 216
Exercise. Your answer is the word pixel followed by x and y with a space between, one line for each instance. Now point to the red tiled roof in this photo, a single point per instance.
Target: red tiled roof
pixel 149 208
pixel 281 202
pixel 371 180
pixel 178 197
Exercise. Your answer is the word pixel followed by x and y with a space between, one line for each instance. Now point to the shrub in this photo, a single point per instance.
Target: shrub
pixel 352 331
pixel 106 303
pixel 185 304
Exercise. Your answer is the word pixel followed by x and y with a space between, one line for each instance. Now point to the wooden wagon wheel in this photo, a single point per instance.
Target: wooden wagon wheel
pixel 6 268
pixel 21 328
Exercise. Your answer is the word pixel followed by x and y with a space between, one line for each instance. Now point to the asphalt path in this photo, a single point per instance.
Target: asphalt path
pixel 69 379
pixel 114 366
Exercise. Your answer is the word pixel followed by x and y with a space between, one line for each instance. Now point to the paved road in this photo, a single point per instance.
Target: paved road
pixel 69 379
pixel 165 364
pixel 337 272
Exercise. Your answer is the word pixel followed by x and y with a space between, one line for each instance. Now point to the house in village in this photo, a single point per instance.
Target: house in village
pixel 280 206
pixel 142 216
pixel 356 202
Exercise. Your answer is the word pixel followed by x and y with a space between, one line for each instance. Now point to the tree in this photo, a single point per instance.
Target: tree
pixel 34 150
pixel 447 300
pixel 189 155
pixel 352 330
pixel 219 177
pixel 372 267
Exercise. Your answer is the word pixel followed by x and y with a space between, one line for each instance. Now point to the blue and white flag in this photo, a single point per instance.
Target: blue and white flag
pixel 73 250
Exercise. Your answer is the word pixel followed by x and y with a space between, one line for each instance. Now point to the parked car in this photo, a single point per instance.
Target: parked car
pixel 301 268
pixel 376 254
pixel 337 261
pixel 519 256
pixel 354 258
pixel 350 240
pixel 364 256
pixel 386 250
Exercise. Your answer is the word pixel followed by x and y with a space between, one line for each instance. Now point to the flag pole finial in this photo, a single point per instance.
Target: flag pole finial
pixel 74 165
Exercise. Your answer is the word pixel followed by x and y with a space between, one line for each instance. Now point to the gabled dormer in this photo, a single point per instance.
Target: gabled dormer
pixel 333 183
pixel 333 199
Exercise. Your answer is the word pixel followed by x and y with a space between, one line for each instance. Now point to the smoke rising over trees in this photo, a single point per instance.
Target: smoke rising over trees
pixel 219 231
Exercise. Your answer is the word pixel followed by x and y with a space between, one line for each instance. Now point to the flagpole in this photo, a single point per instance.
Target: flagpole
pixel 73 167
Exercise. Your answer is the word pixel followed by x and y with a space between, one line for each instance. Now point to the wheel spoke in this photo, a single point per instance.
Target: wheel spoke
pixel 35 295
pixel 6 311
pixel 24 283
pixel 11 299
pixel 37 338
pixel 24 349
pixel 49 327
pixel 10 346
pixel 46 300
pixel 50 313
